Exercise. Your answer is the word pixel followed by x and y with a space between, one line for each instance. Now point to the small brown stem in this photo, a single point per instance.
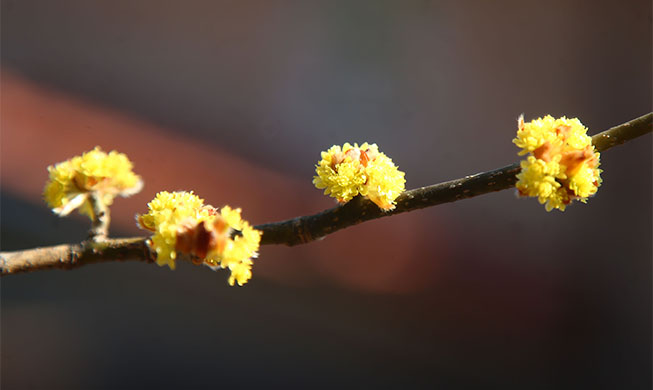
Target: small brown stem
pixel 101 219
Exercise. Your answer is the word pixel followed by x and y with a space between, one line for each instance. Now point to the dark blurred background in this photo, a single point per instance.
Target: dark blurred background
pixel 235 99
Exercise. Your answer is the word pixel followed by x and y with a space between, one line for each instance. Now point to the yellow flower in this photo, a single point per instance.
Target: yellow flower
pixel 347 171
pixel 182 223
pixel 562 165
pixel 72 181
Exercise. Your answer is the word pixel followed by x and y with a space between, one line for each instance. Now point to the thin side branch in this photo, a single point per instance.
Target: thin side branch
pixel 305 229
pixel 101 219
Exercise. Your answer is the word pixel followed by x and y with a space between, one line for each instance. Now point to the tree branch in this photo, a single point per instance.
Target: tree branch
pixel 305 229
pixel 69 256
pixel 301 230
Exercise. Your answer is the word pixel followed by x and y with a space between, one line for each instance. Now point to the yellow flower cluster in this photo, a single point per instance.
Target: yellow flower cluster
pixel 72 181
pixel 347 171
pixel 562 165
pixel 182 223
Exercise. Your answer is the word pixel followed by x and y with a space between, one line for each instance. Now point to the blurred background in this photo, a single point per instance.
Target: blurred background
pixel 236 99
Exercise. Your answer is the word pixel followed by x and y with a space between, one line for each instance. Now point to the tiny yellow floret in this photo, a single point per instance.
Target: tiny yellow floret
pixel 562 165
pixel 72 181
pixel 351 170
pixel 182 223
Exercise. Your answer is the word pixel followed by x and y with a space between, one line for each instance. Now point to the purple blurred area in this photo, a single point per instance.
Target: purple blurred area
pixel 514 297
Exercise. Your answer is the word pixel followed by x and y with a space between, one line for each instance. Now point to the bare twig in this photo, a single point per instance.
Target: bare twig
pixel 101 218
pixel 624 132
pixel 305 229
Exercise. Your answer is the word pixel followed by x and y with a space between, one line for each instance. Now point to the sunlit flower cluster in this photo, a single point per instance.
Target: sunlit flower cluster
pixel 347 171
pixel 562 165
pixel 183 224
pixel 72 181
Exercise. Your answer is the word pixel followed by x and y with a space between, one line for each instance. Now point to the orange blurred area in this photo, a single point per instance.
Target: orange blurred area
pixel 42 126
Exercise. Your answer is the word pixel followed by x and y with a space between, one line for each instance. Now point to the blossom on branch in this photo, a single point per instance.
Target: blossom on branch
pixel 71 182
pixel 182 223
pixel 562 165
pixel 347 171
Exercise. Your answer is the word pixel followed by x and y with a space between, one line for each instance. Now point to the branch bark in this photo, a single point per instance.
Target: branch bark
pixel 305 229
